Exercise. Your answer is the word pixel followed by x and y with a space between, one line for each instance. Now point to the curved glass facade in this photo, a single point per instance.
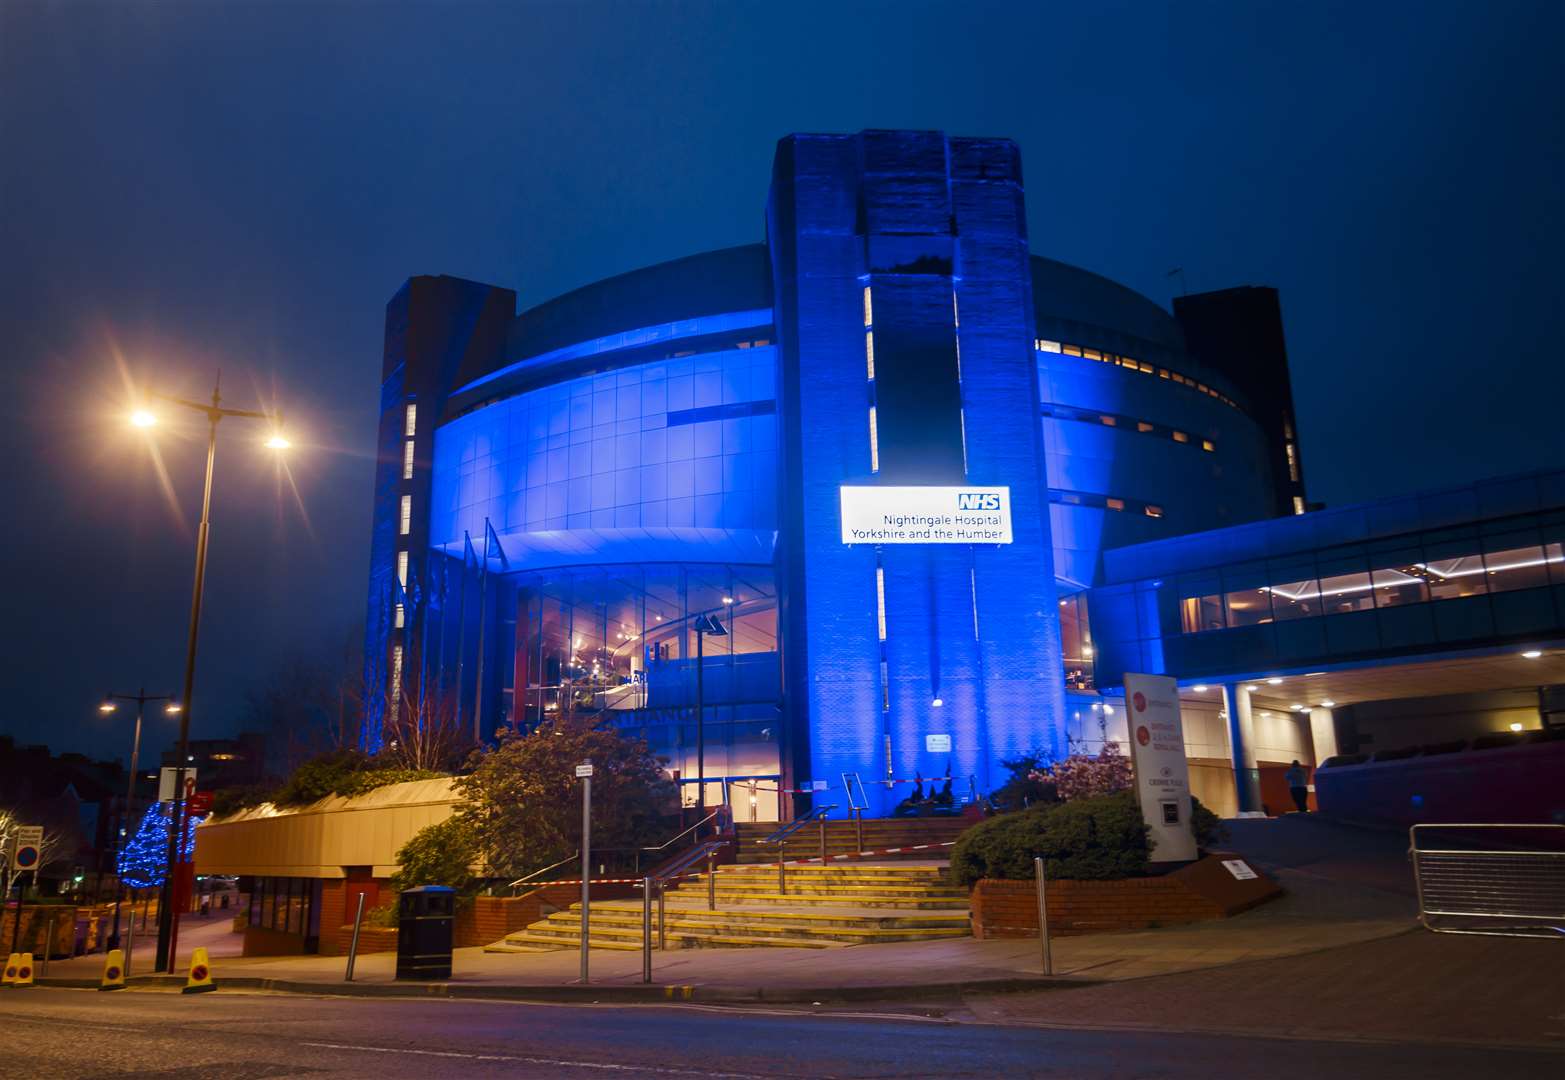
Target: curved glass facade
pixel 685 442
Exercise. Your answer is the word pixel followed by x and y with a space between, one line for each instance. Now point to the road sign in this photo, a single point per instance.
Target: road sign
pixel 199 804
pixel 166 780
pixel 584 770
pixel 28 849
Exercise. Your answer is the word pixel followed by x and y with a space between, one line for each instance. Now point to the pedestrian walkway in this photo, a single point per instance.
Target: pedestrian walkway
pixel 1330 902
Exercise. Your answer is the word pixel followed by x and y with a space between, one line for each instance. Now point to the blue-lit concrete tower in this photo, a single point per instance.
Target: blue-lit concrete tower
pixel 566 494
pixel 905 325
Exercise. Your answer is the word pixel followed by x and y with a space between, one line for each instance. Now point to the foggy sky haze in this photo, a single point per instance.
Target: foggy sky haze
pixel 187 187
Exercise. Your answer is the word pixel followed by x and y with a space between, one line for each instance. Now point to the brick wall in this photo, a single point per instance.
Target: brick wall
pixel 1203 890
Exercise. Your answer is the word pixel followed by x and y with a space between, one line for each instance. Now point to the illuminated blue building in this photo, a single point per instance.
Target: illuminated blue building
pixel 563 494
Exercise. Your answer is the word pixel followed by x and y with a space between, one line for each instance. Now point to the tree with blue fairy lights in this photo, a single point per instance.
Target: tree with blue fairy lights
pixel 143 864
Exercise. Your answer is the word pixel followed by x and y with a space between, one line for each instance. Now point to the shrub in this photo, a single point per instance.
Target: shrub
pixel 440 854
pixel 1207 826
pixel 1084 776
pixel 1028 785
pixel 1093 839
pixel 231 800
pixel 342 772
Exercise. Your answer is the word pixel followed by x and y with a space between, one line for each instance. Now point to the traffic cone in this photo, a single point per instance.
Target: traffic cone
pixel 200 978
pixel 12 962
pixel 24 972
pixel 113 971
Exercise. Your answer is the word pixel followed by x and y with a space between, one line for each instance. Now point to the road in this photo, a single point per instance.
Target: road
pixel 234 1036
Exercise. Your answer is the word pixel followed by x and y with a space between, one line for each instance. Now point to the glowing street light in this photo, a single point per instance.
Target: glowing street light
pixel 168 918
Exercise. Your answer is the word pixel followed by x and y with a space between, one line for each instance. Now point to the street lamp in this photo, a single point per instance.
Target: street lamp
pixel 140 697
pixel 168 919
pixel 703 625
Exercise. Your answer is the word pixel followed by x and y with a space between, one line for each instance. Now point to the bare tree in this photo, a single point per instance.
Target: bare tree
pixel 422 732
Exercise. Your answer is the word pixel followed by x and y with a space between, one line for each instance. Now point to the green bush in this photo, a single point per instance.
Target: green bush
pixel 1096 839
pixel 1207 826
pixel 231 800
pixel 342 772
pixel 440 854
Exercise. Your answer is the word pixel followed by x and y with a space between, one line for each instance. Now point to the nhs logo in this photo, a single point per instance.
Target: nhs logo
pixel 978 500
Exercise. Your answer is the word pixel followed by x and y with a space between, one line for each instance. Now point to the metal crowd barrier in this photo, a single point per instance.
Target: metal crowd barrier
pixel 1497 880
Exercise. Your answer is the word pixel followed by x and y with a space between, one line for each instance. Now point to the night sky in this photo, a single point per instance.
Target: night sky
pixel 188 186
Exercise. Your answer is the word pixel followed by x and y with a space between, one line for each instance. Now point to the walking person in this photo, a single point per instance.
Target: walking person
pixel 1298 783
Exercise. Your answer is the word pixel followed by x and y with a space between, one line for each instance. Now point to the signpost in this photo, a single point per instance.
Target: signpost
pixel 1157 752
pixel 26 851
pixel 584 774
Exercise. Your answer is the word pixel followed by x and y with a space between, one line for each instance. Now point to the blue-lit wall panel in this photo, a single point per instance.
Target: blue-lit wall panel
pixel 688 442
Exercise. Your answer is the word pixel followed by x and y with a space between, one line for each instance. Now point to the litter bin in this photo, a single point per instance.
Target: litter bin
pixel 424 921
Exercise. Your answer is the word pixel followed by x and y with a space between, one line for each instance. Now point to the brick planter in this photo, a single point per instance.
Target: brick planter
pixel 1203 890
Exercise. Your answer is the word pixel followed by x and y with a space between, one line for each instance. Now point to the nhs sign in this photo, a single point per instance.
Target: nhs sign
pixel 978 500
pixel 872 514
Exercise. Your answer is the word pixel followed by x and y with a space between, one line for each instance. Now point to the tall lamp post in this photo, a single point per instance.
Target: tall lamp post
pixel 168 919
pixel 140 697
pixel 703 625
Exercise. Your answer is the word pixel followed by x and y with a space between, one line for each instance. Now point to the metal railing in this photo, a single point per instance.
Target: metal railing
pixel 671 841
pixel 657 886
pixel 1497 880
pixel 572 857
pixel 780 838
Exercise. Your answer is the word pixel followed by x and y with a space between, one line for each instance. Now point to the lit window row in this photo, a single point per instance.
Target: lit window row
pixel 1044 345
pixel 1129 423
pixel 1331 585
pixel 680 354
pixel 1104 502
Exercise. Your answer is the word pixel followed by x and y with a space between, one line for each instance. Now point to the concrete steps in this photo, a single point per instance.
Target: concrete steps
pixel 824 907
pixel 842 839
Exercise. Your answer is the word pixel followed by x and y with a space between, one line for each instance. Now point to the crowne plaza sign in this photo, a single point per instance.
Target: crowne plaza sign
pixel 926 515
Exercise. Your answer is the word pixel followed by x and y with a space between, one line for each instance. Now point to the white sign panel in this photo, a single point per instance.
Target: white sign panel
pixel 926 515
pixel 584 770
pixel 27 847
pixel 1240 870
pixel 166 779
pixel 1157 750
pixel 937 744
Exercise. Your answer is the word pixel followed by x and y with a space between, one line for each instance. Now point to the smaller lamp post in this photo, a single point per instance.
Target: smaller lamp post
pixel 140 697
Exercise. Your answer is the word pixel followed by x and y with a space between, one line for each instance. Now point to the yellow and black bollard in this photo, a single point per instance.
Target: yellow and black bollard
pixel 200 979
pixel 113 971
pixel 24 971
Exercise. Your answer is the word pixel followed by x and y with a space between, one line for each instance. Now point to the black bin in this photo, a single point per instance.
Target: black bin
pixel 424 932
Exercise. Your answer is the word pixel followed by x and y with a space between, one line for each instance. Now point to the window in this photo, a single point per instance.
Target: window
pixel 1452 578
pixel 410 422
pixel 1091 354
pixel 1114 504
pixel 1076 642
pixel 1180 436
pixel 1198 613
pixel 1346 592
pixel 1520 568
pixel 1208 445
pixel 1295 599
pixel 1144 367
pixel 1246 595
pixel 869 353
pixel 1143 426
pixel 400 617
pixel 880 601
pixel 1153 511
pixel 1399 585
pixel 396 671
pixel 1298 504
pixel 869 310
pixel 406 523
pixel 1293 463
pixel 1071 350
pixel 1108 421
pixel 956 314
pixel 402 569
pixel 874 443
pixel 407 460
pixel 1048 346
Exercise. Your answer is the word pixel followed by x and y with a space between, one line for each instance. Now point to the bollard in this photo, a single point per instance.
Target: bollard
pixel 130 941
pixel 662 926
pixel 1043 917
pixel 646 930
pixel 353 945
pixel 711 885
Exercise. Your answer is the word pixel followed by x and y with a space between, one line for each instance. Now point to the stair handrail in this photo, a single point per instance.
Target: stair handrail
pixel 782 834
pixel 528 877
pixel 680 835
pixel 689 859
